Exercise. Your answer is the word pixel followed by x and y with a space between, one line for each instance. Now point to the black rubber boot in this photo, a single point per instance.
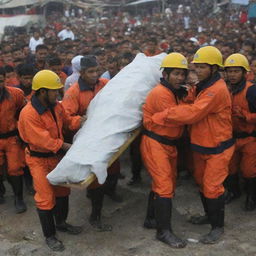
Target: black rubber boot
pixel 28 181
pixel 163 208
pixel 232 187
pixel 2 189
pixel 97 197
pixel 201 220
pixel 60 212
pixel 110 188
pixel 136 162
pixel 216 217
pixel 17 186
pixel 150 220
pixel 48 228
pixel 250 203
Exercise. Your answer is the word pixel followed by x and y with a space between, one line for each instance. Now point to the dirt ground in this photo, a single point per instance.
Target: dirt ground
pixel 20 235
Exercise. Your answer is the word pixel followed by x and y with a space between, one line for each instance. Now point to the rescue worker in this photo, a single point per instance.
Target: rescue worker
pixel 211 137
pixel 11 102
pixel 40 126
pixel 244 128
pixel 158 147
pixel 26 73
pixel 76 101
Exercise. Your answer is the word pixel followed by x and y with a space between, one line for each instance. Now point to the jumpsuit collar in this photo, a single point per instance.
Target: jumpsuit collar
pixel 180 93
pixel 208 82
pixel 38 105
pixel 236 88
pixel 83 86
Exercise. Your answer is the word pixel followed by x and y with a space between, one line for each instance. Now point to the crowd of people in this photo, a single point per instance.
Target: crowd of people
pixel 48 79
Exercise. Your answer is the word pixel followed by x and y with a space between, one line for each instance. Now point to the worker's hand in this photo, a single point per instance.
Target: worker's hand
pixel 186 86
pixel 66 146
pixel 237 112
pixel 83 119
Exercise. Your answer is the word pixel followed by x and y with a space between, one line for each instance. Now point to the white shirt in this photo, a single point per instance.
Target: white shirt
pixel 33 43
pixel 64 34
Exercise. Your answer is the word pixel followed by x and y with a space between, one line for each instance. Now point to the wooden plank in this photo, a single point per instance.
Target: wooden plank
pixel 85 183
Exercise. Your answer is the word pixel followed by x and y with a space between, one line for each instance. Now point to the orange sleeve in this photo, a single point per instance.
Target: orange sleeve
pixel 190 113
pixel 33 132
pixel 250 117
pixel 73 123
pixel 70 102
pixel 161 103
pixel 20 99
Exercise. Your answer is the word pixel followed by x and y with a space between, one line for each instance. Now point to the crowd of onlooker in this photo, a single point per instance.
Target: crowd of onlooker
pixel 115 37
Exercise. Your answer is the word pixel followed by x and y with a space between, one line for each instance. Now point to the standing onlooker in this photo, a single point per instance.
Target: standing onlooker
pixel 34 41
pixel 66 33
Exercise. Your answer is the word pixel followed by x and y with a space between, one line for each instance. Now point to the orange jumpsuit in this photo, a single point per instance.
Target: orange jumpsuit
pixel 76 101
pixel 244 130
pixel 41 129
pixel 211 133
pixel 160 159
pixel 11 103
pixel 78 97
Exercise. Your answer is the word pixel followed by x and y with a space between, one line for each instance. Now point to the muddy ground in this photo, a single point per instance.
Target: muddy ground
pixel 20 235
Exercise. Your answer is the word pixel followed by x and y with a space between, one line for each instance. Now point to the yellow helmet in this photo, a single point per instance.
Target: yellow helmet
pixel 46 79
pixel 209 55
pixel 175 60
pixel 237 60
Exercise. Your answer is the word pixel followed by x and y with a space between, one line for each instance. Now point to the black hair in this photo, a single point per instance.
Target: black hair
pixel 169 70
pixel 111 59
pixel 2 72
pixel 249 43
pixel 26 70
pixel 128 56
pixel 41 47
pixel 8 69
pixel 54 61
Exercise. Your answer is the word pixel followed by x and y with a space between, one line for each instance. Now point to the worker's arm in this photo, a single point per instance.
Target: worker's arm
pixel 190 113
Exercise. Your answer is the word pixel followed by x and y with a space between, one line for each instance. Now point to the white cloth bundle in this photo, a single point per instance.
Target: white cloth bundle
pixel 112 114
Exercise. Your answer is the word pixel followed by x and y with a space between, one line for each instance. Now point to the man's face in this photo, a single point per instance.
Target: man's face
pixel 112 68
pixel 123 63
pixel 226 51
pixel 36 35
pixel 246 50
pixel 90 75
pixel 17 55
pixel 10 75
pixel 26 80
pixel 203 71
pixel 41 55
pixel 151 46
pixel 7 57
pixel 234 74
pixel 56 68
pixel 176 77
pixel 51 96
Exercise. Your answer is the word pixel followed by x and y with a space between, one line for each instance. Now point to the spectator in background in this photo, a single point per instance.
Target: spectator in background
pixel 34 41
pixel 66 33
pixel 73 78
